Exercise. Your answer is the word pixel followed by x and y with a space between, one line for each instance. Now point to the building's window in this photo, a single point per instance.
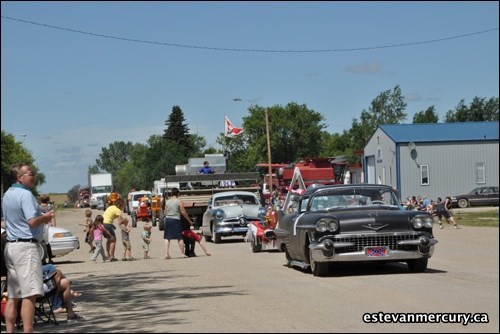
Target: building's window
pixel 480 175
pixel 379 155
pixel 424 175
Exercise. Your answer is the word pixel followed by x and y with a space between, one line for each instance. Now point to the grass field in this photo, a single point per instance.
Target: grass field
pixel 478 218
pixel 58 199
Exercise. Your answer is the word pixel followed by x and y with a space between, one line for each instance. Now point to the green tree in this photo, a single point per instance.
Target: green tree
pixel 162 156
pixel 387 108
pixel 198 144
pixel 334 144
pixel 426 116
pixel 13 152
pixel 73 193
pixel 236 150
pixel 132 174
pixel 479 110
pixel 293 130
pixel 113 158
pixel 94 169
pixel 177 131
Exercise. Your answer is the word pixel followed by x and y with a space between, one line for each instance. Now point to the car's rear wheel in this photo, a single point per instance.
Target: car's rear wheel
pixel 418 265
pixel 317 268
pixel 463 203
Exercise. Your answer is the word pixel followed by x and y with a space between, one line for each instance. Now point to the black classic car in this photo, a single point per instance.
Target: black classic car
pixel 348 223
pixel 477 196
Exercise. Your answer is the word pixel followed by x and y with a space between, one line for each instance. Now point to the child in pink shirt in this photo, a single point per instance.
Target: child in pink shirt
pixel 97 231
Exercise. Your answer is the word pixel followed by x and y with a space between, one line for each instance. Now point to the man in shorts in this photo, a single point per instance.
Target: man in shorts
pixel 24 223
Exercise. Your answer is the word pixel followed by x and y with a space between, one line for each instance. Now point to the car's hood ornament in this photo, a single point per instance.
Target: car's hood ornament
pixel 375 227
pixel 242 221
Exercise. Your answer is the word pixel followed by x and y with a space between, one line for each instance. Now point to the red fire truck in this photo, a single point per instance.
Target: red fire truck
pixel 313 170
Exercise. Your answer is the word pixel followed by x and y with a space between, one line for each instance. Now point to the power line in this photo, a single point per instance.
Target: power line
pixel 253 50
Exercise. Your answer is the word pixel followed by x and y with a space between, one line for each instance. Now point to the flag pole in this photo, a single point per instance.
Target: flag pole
pixel 270 184
pixel 226 155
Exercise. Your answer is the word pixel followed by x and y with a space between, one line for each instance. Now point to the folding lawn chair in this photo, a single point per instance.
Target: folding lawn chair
pixel 43 305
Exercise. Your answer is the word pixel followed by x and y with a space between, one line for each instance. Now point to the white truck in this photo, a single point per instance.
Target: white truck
pixel 101 186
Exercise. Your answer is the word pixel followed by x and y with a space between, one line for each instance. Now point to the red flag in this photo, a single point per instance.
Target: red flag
pixel 230 129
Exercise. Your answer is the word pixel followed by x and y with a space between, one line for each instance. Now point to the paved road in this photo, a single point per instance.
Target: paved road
pixel 235 290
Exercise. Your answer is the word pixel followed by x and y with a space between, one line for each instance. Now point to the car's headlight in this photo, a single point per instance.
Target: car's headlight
pixel 262 213
pixel 422 221
pixel 219 215
pixel 62 235
pixel 327 224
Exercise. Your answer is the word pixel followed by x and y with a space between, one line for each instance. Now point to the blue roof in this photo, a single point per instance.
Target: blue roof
pixel 438 132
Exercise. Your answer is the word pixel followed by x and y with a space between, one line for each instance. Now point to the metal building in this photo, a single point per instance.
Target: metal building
pixel 433 160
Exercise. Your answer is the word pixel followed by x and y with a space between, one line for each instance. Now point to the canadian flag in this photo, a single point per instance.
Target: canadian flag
pixel 230 129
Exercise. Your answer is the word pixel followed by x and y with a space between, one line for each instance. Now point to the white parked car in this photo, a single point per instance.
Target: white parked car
pixel 61 241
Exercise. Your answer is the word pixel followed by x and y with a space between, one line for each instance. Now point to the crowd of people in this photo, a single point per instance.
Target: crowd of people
pixel 103 227
pixel 28 220
pixel 437 208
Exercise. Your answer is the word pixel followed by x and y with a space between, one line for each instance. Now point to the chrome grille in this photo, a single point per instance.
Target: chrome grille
pixel 362 241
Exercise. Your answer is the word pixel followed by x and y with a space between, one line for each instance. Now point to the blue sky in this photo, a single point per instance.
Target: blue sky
pixel 73 93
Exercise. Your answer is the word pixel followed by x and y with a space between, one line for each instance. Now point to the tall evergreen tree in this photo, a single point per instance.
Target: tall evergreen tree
pixel 177 131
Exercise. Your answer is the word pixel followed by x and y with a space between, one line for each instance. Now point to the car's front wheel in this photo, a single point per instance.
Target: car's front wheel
pixel 256 244
pixel 288 258
pixel 463 203
pixel 44 253
pixel 215 237
pixel 317 268
pixel 418 265
pixel 208 238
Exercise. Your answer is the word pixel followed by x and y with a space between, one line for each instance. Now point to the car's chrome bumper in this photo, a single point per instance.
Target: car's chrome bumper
pixel 63 247
pixel 226 231
pixel 325 252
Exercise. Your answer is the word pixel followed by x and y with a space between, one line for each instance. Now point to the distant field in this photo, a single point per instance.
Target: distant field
pixel 58 199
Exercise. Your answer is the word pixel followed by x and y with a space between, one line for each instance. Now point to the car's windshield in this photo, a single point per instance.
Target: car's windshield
pixel 139 196
pixel 235 199
pixel 351 197
pixel 101 189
